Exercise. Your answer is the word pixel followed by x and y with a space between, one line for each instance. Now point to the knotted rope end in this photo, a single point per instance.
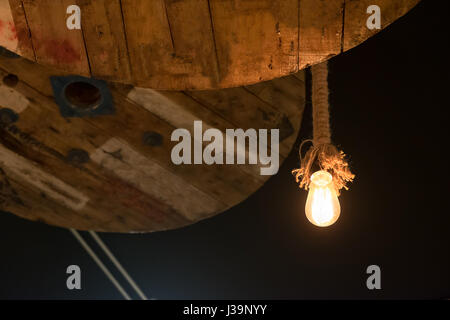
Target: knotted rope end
pixel 330 159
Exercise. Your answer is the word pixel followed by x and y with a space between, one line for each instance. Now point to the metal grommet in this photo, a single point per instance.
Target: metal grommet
pixel 78 96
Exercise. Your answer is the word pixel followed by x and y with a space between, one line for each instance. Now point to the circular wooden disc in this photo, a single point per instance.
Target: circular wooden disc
pixel 113 172
pixel 189 44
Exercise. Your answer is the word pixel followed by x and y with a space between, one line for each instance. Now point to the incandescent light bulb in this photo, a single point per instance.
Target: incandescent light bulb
pixel 322 205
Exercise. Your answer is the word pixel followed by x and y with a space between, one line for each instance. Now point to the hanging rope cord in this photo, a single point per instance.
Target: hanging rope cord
pixel 321 115
pixel 327 156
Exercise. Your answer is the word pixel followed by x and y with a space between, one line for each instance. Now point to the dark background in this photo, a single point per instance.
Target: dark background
pixel 389 112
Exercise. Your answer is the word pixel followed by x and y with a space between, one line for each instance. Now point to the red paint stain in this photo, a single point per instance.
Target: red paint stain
pixel 24 38
pixel 9 29
pixel 12 30
pixel 61 52
pixel 131 197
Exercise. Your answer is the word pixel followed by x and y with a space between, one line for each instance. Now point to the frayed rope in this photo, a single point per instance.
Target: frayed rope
pixel 322 151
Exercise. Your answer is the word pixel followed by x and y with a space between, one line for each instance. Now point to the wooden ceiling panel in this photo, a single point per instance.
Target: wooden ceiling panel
pixel 189 44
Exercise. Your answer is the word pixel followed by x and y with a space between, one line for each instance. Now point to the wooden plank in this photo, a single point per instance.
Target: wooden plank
pixel 99 213
pixel 43 134
pixel 170 43
pixel 155 180
pixel 8 36
pixel 113 206
pixel 55 45
pixel 180 110
pixel 56 189
pixel 12 99
pixel 228 183
pixel 131 186
pixel 32 73
pixel 149 40
pixel 14 32
pixel 189 44
pixel 44 137
pixel 193 41
pixel 320 30
pixel 256 40
pixel 30 204
pixel 355 29
pixel 288 92
pixel 245 110
pixel 300 76
pixel 104 35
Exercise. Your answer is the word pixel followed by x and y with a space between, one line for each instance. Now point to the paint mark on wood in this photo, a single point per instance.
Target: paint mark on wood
pixel 154 180
pixel 27 139
pixel 8 34
pixel 12 99
pixel 61 52
pixel 131 197
pixel 23 169
pixel 168 110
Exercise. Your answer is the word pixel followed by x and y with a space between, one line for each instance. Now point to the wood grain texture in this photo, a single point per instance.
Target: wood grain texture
pixel 171 43
pixel 246 110
pixel 127 186
pixel 8 36
pixel 54 44
pixel 191 44
pixel 269 30
pixel 20 33
pixel 321 25
pixel 289 92
pixel 104 35
pixel 356 17
pixel 148 36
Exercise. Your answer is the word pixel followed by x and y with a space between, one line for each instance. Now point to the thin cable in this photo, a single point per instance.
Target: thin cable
pixel 118 265
pixel 100 264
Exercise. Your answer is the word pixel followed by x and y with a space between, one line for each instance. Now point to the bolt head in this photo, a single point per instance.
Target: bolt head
pixel 78 156
pixel 153 139
pixel 8 116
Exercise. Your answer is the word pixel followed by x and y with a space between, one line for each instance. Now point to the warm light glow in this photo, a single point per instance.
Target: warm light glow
pixel 322 205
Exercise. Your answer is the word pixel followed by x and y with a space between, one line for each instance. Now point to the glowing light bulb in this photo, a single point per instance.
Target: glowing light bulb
pixel 322 205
